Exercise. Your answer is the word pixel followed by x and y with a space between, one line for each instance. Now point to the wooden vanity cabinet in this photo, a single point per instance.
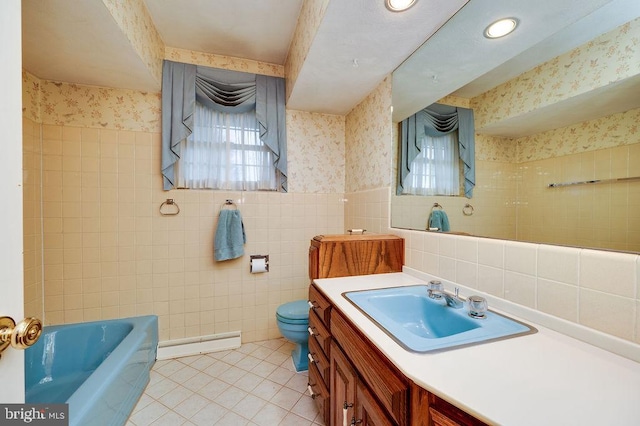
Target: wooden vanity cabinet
pixel 374 390
pixel 347 255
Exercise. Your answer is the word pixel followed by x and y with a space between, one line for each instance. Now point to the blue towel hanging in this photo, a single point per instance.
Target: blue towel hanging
pixel 438 219
pixel 230 237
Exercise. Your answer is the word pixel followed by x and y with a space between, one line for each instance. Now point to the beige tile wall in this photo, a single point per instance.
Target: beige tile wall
pixel 595 215
pixel 32 219
pixel 106 252
pixel 109 253
pixel 491 211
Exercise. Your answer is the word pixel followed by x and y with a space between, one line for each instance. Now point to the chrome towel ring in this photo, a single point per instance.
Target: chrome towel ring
pixel 169 202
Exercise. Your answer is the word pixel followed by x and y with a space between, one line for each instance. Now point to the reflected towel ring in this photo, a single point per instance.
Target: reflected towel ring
pixel 467 210
pixel 169 202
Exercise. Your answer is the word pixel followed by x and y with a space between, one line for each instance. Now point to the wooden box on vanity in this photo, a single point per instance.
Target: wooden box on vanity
pixel 347 255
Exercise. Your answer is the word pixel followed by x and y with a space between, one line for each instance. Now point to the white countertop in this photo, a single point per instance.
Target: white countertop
pixel 546 378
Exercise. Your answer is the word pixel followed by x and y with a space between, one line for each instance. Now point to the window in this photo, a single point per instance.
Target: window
pixel 436 169
pixel 225 152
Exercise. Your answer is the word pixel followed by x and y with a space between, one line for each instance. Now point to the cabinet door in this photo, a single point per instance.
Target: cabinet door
pixel 368 410
pixel 343 388
pixel 443 413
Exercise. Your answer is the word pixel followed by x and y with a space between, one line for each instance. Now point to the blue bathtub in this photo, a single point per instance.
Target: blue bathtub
pixel 99 368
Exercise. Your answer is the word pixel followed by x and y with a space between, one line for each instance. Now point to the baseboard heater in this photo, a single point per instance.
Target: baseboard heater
pixel 198 345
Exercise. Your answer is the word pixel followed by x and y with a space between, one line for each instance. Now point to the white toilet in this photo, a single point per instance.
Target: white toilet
pixel 293 321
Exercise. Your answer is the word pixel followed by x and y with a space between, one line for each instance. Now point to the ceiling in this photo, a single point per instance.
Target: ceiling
pixel 358 42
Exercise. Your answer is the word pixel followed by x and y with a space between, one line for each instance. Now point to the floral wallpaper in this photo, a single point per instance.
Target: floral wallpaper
pixel 494 148
pixel 31 97
pixel 315 152
pixel 455 101
pixel 308 22
pixel 134 20
pixel 369 141
pixel 610 58
pixel 606 132
pixel 224 62
pixel 50 102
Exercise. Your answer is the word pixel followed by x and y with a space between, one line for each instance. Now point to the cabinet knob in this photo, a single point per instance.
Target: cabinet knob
pixel 310 330
pixel 312 305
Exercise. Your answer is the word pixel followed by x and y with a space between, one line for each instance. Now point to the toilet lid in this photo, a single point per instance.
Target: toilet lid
pixel 298 310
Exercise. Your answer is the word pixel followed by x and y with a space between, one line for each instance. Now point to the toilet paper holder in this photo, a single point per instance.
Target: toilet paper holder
pixel 257 257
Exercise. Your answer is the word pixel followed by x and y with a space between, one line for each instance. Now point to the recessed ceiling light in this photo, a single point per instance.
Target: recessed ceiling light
pixel 399 5
pixel 501 28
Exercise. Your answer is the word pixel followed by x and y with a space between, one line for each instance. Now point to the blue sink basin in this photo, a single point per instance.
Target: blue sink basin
pixel 421 324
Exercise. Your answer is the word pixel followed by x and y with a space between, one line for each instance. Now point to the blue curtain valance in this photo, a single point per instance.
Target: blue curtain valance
pixel 438 120
pixel 224 91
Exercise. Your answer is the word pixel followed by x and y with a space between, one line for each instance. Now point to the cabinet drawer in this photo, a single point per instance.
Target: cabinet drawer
pixel 318 331
pixel 319 392
pixel 381 376
pixel 319 359
pixel 319 304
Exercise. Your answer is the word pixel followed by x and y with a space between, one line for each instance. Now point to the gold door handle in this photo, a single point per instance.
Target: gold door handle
pixel 20 336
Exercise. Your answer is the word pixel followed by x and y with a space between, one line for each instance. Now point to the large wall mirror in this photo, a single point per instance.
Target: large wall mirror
pixel 557 121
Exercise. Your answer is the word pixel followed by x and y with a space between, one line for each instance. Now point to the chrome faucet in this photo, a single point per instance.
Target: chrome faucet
pixel 453 301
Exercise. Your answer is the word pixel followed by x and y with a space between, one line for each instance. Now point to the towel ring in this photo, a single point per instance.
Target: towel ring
pixel 169 202
pixel 467 210
pixel 228 202
pixel 436 205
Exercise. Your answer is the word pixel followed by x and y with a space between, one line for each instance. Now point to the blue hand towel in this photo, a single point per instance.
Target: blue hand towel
pixel 439 219
pixel 230 236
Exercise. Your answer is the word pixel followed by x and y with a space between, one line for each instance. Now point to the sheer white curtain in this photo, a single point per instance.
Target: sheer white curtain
pixel 225 152
pixel 435 171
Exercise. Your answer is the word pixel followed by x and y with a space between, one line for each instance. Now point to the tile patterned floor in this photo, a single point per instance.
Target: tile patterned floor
pixel 255 384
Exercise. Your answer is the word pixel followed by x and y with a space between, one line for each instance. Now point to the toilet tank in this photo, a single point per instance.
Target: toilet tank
pixel 347 255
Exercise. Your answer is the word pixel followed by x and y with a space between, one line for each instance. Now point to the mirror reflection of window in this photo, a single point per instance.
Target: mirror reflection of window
pixel 436 170
pixel 433 140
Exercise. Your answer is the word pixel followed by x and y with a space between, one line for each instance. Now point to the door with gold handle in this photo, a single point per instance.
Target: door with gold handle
pixel 21 335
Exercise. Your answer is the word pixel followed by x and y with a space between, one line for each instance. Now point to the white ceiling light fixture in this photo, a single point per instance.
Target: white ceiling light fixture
pixel 501 28
pixel 399 5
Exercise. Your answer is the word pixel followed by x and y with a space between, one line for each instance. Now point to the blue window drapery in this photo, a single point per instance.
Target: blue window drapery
pixel 437 120
pixel 226 91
